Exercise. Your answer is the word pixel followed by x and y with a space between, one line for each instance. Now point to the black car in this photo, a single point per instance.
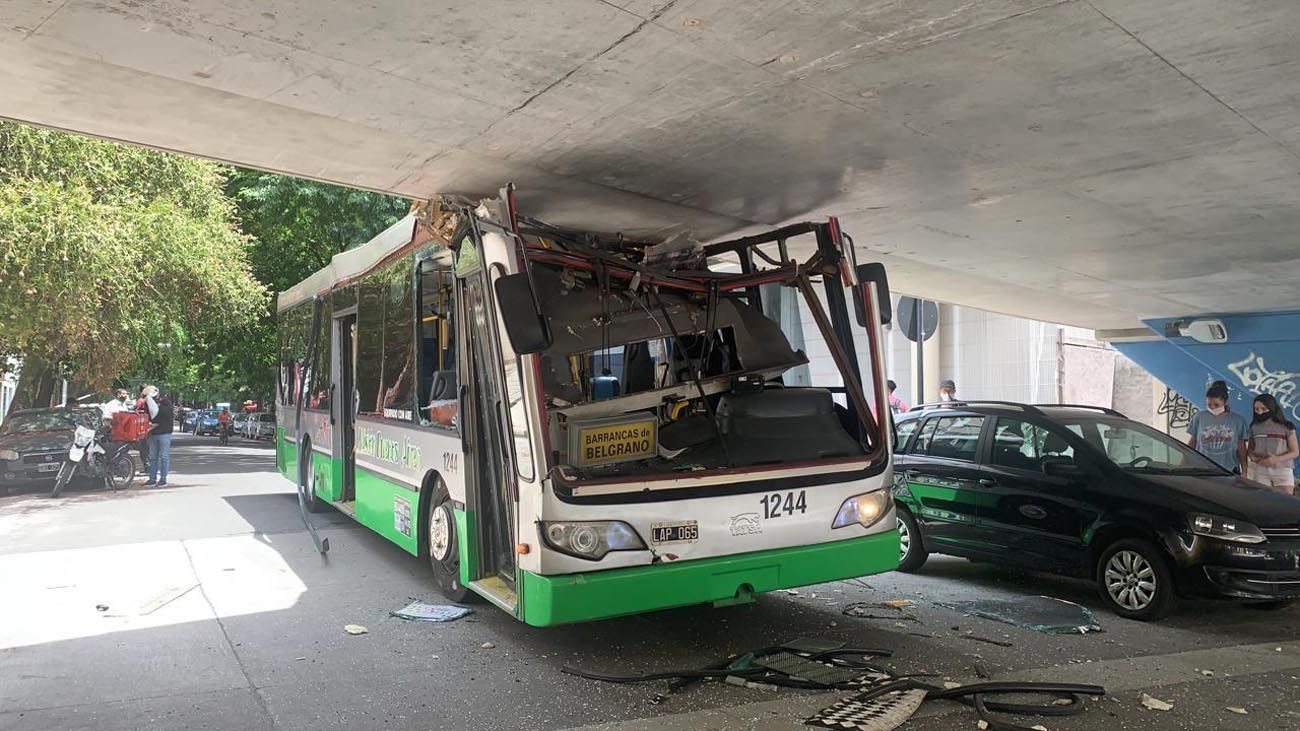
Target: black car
pixel 1086 492
pixel 34 442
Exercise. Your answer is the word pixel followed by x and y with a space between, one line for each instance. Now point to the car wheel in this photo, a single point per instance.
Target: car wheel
pixel 443 548
pixel 1135 580
pixel 911 548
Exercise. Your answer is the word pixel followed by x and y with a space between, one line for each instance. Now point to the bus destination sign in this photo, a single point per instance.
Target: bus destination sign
pixel 613 439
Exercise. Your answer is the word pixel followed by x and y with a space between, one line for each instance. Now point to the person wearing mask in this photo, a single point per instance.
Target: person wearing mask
pixel 1273 447
pixel 1218 432
pixel 896 404
pixel 948 390
pixel 160 437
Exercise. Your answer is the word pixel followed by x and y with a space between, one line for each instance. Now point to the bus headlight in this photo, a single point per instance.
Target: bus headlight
pixel 866 509
pixel 591 539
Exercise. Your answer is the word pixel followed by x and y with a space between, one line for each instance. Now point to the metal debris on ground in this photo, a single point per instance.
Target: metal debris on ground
pixel 355 629
pixel 165 597
pixel 1236 709
pixel 1040 614
pixel 1155 704
pixel 424 612
pixel 989 640
pixel 882 699
pixel 862 610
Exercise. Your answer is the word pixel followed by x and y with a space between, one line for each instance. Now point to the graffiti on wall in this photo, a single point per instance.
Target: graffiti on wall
pixel 1257 378
pixel 1178 411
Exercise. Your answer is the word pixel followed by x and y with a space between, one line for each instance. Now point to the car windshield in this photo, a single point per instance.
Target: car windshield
pixel 1139 448
pixel 51 419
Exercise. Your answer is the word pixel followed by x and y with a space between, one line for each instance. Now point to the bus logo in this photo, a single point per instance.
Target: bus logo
pixel 746 524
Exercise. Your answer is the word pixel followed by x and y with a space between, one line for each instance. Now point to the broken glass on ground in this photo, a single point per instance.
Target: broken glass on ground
pixel 1040 614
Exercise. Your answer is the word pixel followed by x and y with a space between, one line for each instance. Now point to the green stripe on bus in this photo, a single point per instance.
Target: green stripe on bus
pixel 390 509
pixel 552 600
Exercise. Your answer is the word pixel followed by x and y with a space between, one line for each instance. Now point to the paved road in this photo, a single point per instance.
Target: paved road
pixel 204 605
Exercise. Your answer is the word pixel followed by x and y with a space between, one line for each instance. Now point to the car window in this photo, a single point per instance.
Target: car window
pixel 922 443
pixel 905 429
pixel 1021 445
pixel 956 437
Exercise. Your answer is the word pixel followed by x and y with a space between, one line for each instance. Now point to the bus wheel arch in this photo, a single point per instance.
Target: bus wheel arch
pixel 439 538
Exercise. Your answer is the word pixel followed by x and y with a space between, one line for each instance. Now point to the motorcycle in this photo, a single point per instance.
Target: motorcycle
pixel 88 454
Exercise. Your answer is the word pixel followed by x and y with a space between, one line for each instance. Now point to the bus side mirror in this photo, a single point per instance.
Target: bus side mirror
pixel 873 273
pixel 521 313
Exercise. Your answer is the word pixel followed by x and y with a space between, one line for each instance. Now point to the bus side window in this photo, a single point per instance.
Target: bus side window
pixel 439 387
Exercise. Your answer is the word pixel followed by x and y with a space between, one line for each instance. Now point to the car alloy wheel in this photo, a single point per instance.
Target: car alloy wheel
pixel 1130 580
pixel 904 540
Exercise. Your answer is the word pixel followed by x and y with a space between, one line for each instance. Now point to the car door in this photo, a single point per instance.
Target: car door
pixel 940 481
pixel 1031 517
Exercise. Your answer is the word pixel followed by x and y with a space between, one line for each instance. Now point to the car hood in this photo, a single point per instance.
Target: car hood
pixel 1231 496
pixel 37 441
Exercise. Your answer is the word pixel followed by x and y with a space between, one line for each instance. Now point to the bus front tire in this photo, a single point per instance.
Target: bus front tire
pixel 443 547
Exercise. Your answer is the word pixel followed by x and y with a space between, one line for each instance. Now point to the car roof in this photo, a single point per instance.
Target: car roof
pixel 1053 412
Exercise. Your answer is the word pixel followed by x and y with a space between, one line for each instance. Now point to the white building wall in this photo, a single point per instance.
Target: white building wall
pixel 997 357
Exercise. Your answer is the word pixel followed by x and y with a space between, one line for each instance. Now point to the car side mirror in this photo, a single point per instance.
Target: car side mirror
pixel 873 273
pixel 522 314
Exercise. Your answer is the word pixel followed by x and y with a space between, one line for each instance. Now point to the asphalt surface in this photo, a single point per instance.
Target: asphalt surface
pixel 205 605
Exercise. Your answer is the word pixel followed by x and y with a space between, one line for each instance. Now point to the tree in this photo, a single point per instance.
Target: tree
pixel 113 257
pixel 296 227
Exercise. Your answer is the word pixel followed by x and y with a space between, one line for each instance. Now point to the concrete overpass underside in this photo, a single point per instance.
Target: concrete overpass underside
pixel 1088 162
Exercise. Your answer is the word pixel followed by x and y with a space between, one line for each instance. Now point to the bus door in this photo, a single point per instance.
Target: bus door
pixel 344 406
pixel 489 490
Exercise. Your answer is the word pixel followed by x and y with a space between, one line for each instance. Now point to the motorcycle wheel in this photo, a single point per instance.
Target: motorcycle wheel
pixel 122 472
pixel 66 471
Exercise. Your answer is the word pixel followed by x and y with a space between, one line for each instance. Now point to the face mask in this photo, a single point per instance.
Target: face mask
pixel 945 396
pixel 1261 418
pixel 1217 411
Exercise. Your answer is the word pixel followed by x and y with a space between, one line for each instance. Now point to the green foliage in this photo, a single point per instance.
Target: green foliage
pixel 116 257
pixel 296 226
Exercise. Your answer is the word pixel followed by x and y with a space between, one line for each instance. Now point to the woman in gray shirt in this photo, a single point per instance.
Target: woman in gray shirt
pixel 1273 448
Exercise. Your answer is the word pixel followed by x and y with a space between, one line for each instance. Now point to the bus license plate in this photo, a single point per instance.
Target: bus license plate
pixel 48 467
pixel 675 532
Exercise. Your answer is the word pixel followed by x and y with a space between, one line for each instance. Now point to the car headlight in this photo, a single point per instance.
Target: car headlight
pixel 591 539
pixel 8 455
pixel 1227 529
pixel 865 510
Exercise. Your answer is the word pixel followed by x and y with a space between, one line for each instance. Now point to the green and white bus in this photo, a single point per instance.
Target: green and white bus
pixel 575 425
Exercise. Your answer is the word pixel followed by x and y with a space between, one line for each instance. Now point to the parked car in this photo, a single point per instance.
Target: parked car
pixel 190 418
pixel 206 423
pixel 240 424
pixel 1086 492
pixel 261 426
pixel 34 442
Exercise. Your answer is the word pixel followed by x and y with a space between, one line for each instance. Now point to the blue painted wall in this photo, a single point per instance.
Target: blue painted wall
pixel 1262 355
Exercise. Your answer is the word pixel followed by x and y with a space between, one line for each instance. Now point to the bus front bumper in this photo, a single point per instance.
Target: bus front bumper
pixel 568 598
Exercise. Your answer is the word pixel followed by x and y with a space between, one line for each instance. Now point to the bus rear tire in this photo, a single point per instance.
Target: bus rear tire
pixel 443 547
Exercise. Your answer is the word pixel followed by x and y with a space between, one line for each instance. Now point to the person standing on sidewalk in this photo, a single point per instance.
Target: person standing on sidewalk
pixel 161 415
pixel 142 446
pixel 1273 447
pixel 896 404
pixel 1218 432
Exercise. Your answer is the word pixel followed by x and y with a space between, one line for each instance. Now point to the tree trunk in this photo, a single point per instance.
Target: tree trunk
pixel 38 384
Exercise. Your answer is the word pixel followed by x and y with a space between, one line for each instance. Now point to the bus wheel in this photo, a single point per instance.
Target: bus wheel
pixel 308 468
pixel 444 551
